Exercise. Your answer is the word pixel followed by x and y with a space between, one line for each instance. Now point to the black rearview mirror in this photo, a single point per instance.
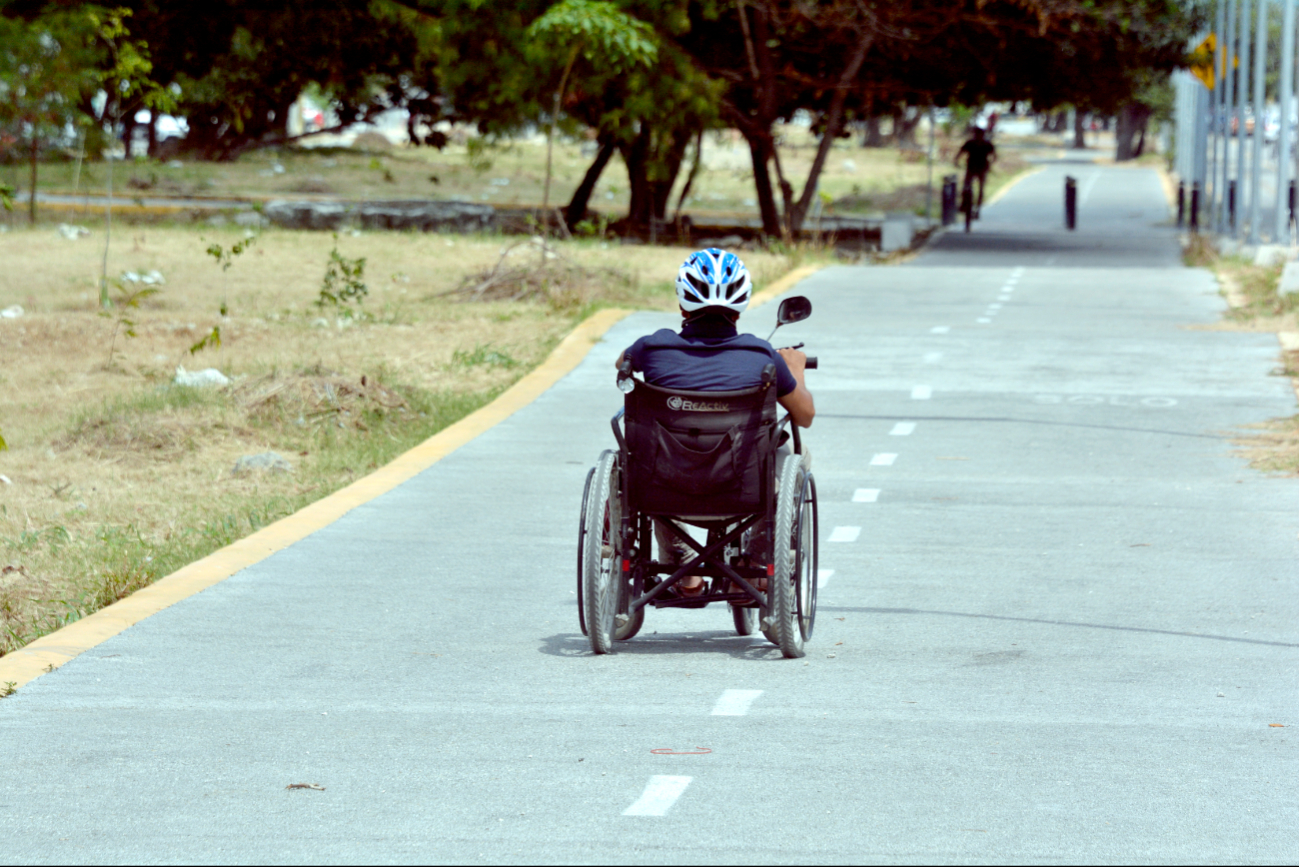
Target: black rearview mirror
pixel 796 308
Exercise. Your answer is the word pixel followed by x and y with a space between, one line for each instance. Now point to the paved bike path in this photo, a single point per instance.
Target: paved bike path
pixel 1023 638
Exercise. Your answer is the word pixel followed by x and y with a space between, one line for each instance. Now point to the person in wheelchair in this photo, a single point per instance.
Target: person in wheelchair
pixel 709 354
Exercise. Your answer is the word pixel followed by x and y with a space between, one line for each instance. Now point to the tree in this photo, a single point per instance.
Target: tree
pixel 125 81
pixel 596 31
pixel 44 72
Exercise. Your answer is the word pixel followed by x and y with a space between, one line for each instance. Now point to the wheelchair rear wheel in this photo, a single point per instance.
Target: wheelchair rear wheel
pixel 793 587
pixel 601 561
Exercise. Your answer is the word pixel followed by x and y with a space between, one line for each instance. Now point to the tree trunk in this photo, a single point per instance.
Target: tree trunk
pixel 873 137
pixel 1131 121
pixel 834 119
pixel 636 156
pixel 690 178
pixel 1079 131
pixel 576 210
pixel 128 133
pixel 153 134
pixel 670 168
pixel 31 202
pixel 904 129
pixel 759 148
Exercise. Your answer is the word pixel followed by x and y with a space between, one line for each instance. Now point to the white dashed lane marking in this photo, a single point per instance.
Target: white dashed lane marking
pixel 866 495
pixel 983 320
pixel 903 429
pixel 933 357
pixel 845 534
pixel 940 329
pixel 883 459
pixel 660 794
pixel 922 392
pixel 735 702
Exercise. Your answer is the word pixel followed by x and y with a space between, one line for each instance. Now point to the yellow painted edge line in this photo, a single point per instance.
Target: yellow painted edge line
pixel 783 285
pixel 51 651
pixel 996 197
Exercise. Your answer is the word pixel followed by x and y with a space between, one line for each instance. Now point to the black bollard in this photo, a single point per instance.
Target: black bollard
pixel 1231 204
pixel 1291 200
pixel 1070 203
pixel 949 199
pixel 1195 207
pixel 1181 204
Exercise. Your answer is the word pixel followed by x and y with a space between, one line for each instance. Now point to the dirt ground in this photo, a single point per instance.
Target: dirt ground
pixel 113 476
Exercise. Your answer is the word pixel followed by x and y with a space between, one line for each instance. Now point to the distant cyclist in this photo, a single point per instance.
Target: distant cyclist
pixel 980 154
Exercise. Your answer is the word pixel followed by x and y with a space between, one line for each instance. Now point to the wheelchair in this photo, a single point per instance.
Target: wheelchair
pixel 723 463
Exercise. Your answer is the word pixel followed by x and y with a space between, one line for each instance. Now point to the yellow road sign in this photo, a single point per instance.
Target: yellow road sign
pixel 1201 61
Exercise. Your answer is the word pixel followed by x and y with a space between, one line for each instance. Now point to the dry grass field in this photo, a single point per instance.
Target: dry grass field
pixel 114 476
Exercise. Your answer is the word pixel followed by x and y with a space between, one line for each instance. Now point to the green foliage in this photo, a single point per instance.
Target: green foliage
pixel 225 256
pixel 596 30
pixel 483 355
pixel 344 281
pixel 127 299
pixel 6 196
pixel 212 338
pixel 4 446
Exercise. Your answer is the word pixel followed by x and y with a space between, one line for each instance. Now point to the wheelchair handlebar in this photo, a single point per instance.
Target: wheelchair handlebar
pixel 811 362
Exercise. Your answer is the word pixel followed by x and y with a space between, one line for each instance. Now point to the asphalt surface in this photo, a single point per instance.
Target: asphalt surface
pixel 1059 627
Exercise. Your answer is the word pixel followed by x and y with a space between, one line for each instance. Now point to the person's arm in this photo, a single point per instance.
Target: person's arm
pixel 621 355
pixel 799 403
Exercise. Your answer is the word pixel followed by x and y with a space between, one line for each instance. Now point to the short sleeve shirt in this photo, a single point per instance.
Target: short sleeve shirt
pixel 708 355
pixel 977 153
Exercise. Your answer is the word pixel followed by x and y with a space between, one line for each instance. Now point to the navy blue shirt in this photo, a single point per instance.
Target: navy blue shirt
pixel 708 355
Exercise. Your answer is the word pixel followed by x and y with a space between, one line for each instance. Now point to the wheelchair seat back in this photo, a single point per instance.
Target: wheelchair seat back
pixel 700 453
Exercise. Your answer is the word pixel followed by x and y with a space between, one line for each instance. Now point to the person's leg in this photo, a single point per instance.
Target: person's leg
pixel 982 176
pixel 673 550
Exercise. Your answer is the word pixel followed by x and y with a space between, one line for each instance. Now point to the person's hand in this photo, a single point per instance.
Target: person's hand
pixel 796 359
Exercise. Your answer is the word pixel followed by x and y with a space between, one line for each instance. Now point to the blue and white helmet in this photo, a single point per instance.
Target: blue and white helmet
pixel 713 278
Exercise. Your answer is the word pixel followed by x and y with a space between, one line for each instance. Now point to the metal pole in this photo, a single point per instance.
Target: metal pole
pixel 1256 163
pixel 1282 233
pixel 1241 100
pixel 1227 29
pixel 929 176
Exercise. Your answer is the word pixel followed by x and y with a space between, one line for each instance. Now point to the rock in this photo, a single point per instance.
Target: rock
pixel 6 480
pixel 149 278
pixel 427 216
pixel 201 378
pixel 11 312
pixel 723 243
pixel 72 233
pixel 266 461
pixel 306 215
pixel 217 220
pixel 250 218
pixel 1289 283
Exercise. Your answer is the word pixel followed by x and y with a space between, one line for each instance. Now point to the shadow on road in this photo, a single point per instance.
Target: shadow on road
pixel 709 641
pixel 825 608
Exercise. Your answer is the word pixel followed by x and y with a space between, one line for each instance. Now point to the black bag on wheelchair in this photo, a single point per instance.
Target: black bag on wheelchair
pixel 700 453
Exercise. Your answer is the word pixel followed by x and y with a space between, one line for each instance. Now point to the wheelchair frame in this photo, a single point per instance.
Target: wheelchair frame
pixel 616 585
